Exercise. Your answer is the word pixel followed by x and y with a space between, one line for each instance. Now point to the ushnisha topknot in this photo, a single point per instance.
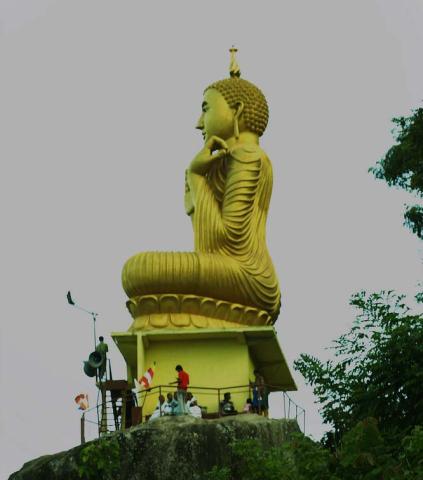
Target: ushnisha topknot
pixel 235 89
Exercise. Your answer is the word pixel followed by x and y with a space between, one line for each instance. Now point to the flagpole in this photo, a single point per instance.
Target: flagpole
pixel 93 314
pixel 95 336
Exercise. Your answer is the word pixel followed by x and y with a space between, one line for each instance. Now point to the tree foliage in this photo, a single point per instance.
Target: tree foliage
pixel 298 459
pixel 402 165
pixel 377 370
pixel 411 456
pixel 363 454
pixel 100 459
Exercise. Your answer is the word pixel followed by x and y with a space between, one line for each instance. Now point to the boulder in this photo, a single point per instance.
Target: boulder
pixel 167 448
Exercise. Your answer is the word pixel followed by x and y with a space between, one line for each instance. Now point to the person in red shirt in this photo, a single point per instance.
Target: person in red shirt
pixel 183 382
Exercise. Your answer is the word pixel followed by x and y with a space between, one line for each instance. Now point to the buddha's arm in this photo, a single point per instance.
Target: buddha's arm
pixel 200 194
pixel 230 218
pixel 239 200
pixel 198 190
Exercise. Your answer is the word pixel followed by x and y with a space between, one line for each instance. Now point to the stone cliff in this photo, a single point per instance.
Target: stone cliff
pixel 169 448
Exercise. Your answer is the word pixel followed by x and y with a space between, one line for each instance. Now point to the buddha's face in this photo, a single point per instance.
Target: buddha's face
pixel 217 117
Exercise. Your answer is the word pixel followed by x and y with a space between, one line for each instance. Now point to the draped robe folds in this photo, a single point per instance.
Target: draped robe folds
pixel 231 261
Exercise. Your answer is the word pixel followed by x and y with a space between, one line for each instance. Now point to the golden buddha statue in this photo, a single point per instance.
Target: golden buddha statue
pixel 228 187
pixel 212 310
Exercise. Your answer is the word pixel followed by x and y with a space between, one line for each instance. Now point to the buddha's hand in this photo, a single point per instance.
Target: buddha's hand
pixel 214 149
pixel 188 201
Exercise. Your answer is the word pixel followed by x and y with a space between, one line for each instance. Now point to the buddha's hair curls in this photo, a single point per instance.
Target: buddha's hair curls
pixel 256 110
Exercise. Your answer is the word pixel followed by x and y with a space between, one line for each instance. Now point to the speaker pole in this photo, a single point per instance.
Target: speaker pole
pixel 93 314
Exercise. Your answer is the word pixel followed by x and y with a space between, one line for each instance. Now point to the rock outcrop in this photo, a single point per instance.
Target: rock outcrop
pixel 171 448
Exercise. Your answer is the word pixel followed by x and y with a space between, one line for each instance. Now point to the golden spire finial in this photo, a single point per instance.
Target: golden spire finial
pixel 234 70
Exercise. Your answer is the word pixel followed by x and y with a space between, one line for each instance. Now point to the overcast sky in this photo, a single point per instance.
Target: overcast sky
pixel 98 105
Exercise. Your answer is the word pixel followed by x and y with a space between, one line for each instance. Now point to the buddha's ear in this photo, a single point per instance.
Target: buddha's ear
pixel 239 108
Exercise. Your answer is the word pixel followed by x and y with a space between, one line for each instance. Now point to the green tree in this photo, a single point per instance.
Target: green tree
pixel 402 166
pixel 377 370
pixel 363 454
pixel 411 456
pixel 297 459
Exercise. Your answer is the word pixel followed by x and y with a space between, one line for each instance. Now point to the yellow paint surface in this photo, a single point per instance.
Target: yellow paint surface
pixel 216 363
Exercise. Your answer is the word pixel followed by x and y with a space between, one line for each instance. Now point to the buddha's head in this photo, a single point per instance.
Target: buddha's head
pixel 232 106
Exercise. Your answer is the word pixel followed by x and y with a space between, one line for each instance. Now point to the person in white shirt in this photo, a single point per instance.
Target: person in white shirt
pixel 248 407
pixel 160 409
pixel 170 405
pixel 194 409
pixel 190 399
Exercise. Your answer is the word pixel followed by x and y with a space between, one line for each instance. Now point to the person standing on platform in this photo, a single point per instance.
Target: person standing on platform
pixel 263 402
pixel 102 348
pixel 183 382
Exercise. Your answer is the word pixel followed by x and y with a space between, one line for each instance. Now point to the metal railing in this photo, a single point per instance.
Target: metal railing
pixel 108 416
pixel 300 413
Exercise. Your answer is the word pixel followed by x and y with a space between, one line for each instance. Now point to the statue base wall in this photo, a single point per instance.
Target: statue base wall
pixel 215 358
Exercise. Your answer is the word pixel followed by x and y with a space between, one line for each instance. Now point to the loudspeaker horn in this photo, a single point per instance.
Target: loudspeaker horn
pixel 95 359
pixel 93 363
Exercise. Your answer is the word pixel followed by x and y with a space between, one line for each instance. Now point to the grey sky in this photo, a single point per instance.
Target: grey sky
pixel 98 106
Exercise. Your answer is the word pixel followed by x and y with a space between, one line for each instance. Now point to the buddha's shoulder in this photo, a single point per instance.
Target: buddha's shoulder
pixel 247 152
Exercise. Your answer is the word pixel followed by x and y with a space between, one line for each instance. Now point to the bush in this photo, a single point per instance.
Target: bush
pixel 99 459
pixel 411 456
pixel 299 459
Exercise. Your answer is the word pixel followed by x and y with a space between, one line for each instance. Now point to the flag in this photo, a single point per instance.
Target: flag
pixel 82 401
pixel 69 297
pixel 147 379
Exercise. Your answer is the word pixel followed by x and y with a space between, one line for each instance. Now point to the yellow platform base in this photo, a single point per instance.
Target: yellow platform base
pixel 214 358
